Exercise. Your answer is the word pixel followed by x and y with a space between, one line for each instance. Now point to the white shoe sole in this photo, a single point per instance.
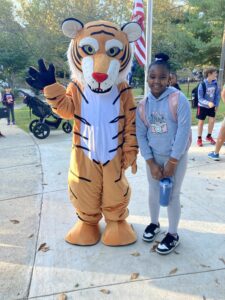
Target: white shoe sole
pixel 164 253
pixel 148 240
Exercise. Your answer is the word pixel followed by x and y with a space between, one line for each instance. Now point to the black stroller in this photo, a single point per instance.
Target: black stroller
pixel 41 127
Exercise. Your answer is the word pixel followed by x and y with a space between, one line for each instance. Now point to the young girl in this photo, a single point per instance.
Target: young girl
pixel 164 140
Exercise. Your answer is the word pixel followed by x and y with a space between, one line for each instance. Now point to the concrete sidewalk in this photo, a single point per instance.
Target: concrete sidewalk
pixel 35 214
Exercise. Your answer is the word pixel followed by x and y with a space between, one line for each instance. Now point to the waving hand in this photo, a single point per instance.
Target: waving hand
pixel 41 78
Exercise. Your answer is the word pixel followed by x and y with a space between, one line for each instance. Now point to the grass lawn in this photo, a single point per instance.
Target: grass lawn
pixel 23 118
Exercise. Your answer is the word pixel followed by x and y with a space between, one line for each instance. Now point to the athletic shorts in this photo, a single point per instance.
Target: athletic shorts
pixel 203 112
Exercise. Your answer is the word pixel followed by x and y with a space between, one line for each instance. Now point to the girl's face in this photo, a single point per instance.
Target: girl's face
pixel 158 79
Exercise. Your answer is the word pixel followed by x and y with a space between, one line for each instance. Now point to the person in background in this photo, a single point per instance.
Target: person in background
pixel 221 137
pixel 8 101
pixel 164 144
pixel 208 101
pixel 173 81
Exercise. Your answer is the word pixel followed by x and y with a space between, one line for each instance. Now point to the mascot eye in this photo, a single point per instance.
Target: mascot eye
pixel 88 49
pixel 113 51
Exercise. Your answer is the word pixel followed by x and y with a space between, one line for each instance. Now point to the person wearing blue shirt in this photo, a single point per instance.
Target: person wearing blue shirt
pixel 208 101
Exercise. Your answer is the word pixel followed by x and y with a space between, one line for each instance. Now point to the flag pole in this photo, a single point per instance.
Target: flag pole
pixel 148 41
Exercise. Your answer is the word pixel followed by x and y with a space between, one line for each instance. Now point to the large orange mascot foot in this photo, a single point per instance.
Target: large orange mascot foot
pixel 118 234
pixel 83 234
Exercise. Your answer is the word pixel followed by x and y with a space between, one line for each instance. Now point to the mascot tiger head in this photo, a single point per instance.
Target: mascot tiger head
pixel 99 53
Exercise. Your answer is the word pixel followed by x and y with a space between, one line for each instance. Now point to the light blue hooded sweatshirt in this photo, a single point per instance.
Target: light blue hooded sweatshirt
pixel 165 136
pixel 212 94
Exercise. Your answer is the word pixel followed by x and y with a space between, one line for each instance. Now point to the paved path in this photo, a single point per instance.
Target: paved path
pixel 35 210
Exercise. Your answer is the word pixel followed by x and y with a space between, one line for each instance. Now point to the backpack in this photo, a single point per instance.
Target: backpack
pixel 194 94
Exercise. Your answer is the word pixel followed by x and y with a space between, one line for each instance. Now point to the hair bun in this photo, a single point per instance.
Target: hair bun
pixel 161 57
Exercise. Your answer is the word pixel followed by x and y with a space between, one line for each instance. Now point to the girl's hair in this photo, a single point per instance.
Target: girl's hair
pixel 162 60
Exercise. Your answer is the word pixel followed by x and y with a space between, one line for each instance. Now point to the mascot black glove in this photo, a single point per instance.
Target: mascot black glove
pixel 43 77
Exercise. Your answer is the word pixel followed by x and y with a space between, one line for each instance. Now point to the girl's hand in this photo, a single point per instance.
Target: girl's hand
pixel 169 168
pixel 156 170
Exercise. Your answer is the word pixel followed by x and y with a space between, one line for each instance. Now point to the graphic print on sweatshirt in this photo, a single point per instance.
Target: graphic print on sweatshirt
pixel 158 123
pixel 210 92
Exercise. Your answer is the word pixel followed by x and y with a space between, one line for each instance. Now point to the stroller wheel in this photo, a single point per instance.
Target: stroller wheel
pixel 41 131
pixel 32 124
pixel 67 127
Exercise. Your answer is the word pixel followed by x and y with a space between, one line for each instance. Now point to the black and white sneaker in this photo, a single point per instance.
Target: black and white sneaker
pixel 168 244
pixel 150 232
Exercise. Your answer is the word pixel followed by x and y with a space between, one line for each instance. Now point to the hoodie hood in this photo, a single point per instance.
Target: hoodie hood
pixel 169 90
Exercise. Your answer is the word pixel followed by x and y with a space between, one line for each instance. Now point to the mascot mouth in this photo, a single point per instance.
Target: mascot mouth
pixel 99 90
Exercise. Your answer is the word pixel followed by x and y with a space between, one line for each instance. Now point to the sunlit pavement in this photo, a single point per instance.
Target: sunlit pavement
pixel 35 214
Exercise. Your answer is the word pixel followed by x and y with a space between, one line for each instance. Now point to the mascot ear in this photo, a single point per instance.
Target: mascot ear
pixel 71 26
pixel 133 31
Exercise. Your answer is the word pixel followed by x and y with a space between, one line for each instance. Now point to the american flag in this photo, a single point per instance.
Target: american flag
pixel 139 17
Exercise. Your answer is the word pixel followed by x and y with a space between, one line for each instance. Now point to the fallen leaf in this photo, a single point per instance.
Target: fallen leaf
pixel 104 291
pixel 134 276
pixel 217 281
pixel 44 184
pixel 135 254
pixel 192 159
pixel 76 285
pixel 173 271
pixel 59 173
pixel 210 189
pixel 43 247
pixel 204 266
pixel 30 236
pixel 15 221
pixel 222 259
pixel 154 246
pixel 62 297
pixel 176 252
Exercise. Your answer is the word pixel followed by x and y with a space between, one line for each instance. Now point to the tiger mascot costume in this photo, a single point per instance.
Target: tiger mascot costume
pixel 104 140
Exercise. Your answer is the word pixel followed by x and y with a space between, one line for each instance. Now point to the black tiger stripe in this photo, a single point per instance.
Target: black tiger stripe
pixel 134 146
pixel 102 31
pixel 106 163
pixel 86 100
pixel 125 89
pixel 133 134
pixel 126 60
pixel 82 147
pixel 117 119
pixel 133 108
pixel 77 133
pixel 51 98
pixel 117 180
pixel 107 26
pixel 125 64
pixel 122 131
pixel 95 161
pixel 55 108
pixel 126 192
pixel 124 54
pixel 77 53
pixel 76 62
pixel 83 120
pixel 82 178
pixel 119 146
pixel 72 192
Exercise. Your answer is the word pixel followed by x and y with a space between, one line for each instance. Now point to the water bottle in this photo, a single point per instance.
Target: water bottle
pixel 165 191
